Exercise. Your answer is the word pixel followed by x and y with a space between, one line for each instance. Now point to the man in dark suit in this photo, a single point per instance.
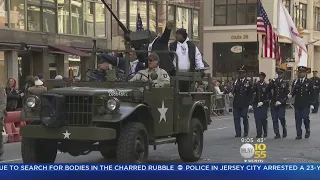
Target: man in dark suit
pixel 242 93
pixel 302 90
pixel 160 43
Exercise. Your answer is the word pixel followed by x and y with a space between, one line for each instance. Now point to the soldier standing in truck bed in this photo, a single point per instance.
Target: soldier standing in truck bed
pixel 242 93
pixel 279 89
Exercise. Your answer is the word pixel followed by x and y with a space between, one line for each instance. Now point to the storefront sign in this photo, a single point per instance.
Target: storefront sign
pixel 236 49
pixel 239 37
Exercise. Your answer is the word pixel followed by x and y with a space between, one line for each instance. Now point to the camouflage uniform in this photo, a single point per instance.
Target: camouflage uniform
pixel 3 113
pixel 163 77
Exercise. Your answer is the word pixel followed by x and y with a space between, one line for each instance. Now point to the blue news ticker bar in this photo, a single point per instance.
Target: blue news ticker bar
pixel 160 171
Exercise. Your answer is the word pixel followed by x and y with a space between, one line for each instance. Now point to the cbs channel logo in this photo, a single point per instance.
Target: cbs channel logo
pixel 258 151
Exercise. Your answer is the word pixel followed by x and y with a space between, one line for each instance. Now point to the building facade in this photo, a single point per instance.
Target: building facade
pixel 52 37
pixel 230 38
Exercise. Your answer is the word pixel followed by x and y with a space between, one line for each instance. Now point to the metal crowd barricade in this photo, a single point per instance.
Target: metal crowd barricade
pixel 221 104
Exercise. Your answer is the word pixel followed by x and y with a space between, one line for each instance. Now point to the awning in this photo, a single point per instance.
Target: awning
pixel 70 50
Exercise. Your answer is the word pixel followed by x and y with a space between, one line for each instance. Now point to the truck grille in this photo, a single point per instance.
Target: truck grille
pixel 79 110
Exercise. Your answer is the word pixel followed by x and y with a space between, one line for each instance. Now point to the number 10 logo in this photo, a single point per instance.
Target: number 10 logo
pixel 260 151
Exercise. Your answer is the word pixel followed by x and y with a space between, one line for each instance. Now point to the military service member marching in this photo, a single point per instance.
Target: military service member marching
pixel 260 105
pixel 302 90
pixel 316 90
pixel 279 90
pixel 242 93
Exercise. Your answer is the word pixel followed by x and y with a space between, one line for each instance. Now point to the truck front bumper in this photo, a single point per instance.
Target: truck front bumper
pixel 68 132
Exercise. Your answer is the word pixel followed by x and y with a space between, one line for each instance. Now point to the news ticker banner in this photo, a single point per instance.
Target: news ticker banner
pixel 160 171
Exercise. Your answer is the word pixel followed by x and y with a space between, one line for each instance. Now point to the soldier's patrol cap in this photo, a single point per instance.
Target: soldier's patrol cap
pixel 262 74
pixel 302 69
pixel 242 69
pixel 154 57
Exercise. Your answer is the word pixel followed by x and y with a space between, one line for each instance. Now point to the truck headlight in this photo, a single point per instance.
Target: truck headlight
pixel 32 101
pixel 113 104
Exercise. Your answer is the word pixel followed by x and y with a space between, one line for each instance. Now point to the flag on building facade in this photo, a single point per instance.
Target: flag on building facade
pixel 288 30
pixel 269 36
pixel 139 23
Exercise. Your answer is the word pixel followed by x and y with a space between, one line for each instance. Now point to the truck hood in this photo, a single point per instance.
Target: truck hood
pixel 91 91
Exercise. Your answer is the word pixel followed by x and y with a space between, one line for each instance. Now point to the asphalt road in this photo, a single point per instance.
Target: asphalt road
pixel 220 146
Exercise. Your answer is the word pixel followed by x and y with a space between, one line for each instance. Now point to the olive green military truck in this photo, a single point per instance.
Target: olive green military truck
pixel 119 119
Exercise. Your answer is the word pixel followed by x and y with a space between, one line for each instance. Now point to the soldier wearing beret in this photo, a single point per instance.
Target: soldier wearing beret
pixel 242 93
pixel 302 90
pixel 279 90
pixel 260 105
pixel 316 90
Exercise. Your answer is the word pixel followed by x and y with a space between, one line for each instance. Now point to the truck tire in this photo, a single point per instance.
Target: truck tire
pixel 190 145
pixel 108 150
pixel 38 151
pixel 133 144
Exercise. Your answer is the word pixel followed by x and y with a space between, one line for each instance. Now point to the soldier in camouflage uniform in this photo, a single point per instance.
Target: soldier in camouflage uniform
pixel 3 113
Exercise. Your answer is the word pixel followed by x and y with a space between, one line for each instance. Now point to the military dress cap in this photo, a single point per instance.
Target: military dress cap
pixel 302 69
pixel 154 56
pixel 106 58
pixel 262 74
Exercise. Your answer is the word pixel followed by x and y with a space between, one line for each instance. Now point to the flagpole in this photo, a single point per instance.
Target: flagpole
pixel 258 44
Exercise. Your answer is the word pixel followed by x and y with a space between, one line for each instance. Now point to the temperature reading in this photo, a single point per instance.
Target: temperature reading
pixel 261 140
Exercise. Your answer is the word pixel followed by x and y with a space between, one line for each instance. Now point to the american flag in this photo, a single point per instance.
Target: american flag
pixel 269 36
pixel 139 23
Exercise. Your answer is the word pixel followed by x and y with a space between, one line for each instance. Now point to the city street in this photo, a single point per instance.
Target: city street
pixel 220 146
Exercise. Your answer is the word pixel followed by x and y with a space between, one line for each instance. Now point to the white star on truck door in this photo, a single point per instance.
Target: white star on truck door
pixel 163 112
pixel 66 135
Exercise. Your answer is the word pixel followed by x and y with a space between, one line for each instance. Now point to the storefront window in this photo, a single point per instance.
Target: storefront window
pixel 3 70
pixel 3 14
pixel 17 14
pixel 183 18
pixel 88 18
pixel 74 67
pixel 64 16
pixel 100 20
pixel 195 25
pixel 300 16
pixel 49 20
pixel 135 8
pixel 34 20
pixel 153 16
pixel 77 17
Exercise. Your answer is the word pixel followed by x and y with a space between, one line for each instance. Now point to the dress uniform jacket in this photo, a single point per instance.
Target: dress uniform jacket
pixel 163 77
pixel 303 93
pixel 242 91
pixel 316 84
pixel 261 94
pixel 279 90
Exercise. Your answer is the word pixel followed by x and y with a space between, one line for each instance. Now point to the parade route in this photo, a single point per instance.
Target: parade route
pixel 220 145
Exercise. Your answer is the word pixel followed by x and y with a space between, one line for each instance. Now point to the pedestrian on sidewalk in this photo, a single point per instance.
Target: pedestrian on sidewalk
pixel 3 113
